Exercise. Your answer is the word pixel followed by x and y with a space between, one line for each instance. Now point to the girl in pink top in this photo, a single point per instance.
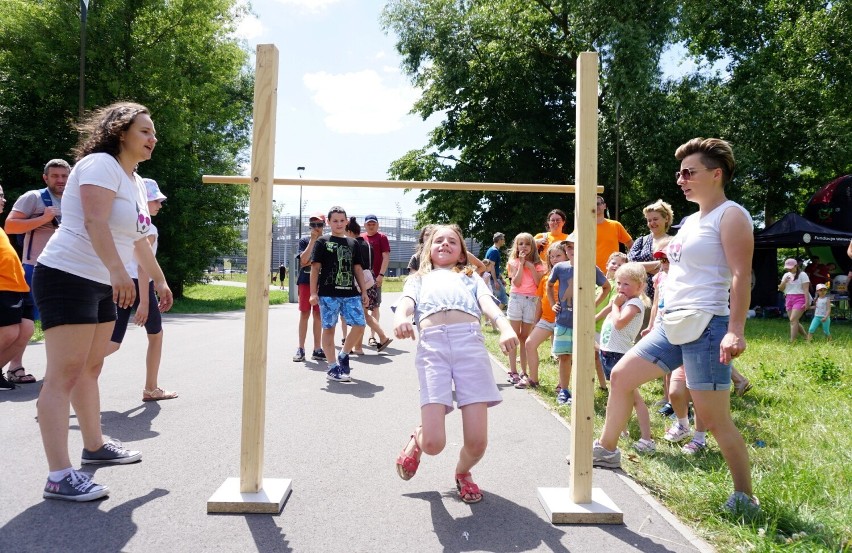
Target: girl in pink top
pixel 525 271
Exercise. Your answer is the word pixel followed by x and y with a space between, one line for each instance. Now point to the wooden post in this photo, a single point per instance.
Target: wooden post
pixel 583 504
pixel 251 493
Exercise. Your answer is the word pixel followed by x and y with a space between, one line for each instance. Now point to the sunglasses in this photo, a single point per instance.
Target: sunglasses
pixel 689 172
pixel 316 224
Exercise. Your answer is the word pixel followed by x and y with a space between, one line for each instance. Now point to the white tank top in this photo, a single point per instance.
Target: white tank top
pixel 699 276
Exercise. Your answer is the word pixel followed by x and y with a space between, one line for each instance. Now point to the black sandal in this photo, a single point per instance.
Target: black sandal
pixel 12 375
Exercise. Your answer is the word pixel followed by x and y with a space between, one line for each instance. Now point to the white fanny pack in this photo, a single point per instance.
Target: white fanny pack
pixel 685 325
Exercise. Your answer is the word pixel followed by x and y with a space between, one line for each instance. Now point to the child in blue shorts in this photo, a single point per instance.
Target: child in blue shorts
pixel 563 332
pixel 336 266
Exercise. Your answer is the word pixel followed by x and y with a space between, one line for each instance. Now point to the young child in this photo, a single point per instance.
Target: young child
pixel 822 313
pixel 525 271
pixel 615 260
pixel 546 319
pixel 796 285
pixel 336 266
pixel 447 297
pixel 563 330
pixel 623 319
pixel 145 315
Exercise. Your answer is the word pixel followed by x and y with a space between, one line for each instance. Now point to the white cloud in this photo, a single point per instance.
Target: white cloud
pixel 249 28
pixel 360 103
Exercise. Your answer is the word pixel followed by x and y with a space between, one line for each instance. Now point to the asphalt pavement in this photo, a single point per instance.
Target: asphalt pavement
pixel 337 442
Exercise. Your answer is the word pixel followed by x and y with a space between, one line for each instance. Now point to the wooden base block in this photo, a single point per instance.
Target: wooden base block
pixel 562 510
pixel 270 499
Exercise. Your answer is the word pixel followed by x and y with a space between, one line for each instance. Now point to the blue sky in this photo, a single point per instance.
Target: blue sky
pixel 343 103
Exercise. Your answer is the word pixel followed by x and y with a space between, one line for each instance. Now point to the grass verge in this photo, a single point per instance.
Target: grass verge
pixel 793 424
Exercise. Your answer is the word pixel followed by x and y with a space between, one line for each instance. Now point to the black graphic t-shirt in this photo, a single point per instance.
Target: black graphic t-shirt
pixel 337 257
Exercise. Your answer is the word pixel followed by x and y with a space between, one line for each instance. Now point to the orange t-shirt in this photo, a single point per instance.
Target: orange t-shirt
pixel 610 234
pixel 547 313
pixel 550 239
pixel 11 271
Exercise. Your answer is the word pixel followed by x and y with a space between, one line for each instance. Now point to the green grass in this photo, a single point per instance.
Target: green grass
pixel 795 422
pixel 207 298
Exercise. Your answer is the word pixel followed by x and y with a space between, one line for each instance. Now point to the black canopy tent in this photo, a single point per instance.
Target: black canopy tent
pixel 791 231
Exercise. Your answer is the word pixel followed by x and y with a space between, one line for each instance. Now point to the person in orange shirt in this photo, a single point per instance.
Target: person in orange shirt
pixel 555 225
pixel 610 235
pixel 13 287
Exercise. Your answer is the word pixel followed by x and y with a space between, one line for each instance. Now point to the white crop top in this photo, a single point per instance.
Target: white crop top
pixel 445 290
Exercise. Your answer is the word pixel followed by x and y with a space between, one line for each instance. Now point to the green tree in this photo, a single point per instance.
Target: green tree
pixel 179 58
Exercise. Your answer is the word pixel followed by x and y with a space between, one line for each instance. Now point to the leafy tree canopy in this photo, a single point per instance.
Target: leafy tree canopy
pixel 179 58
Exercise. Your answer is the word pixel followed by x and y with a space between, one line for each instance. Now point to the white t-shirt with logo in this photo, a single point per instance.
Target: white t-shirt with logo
pixel 70 248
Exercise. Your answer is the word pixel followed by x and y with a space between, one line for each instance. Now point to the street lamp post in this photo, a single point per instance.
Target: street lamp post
pixel 84 9
pixel 300 170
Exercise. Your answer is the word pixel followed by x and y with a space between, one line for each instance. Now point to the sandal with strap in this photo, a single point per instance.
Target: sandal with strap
pixel 372 343
pixel 513 378
pixel 15 376
pixel 406 465
pixel 468 491
pixel 157 394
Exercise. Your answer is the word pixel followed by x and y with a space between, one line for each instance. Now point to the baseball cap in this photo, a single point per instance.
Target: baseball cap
pixel 790 263
pixel 371 217
pixel 317 215
pixel 571 237
pixel 661 254
pixel 153 190
pixel 821 287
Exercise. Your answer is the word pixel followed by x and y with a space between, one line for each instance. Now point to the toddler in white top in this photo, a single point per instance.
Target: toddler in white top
pixel 447 297
pixel 822 313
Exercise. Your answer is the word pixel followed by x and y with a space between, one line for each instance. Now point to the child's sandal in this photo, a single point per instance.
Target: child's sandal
pixel 468 491
pixel 406 465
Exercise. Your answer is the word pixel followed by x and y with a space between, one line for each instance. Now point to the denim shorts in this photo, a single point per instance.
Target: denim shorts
pixel 455 354
pixel 545 325
pixel 704 371
pixel 608 361
pixel 66 299
pixel 350 307
pixel 522 308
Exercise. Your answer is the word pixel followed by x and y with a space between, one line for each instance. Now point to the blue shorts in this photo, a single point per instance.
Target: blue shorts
pixel 608 361
pixel 563 340
pixel 700 359
pixel 331 308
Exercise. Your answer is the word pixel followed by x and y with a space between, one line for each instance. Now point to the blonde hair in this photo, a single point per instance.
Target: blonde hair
pixel 522 237
pixel 426 254
pixel 662 208
pixel 617 255
pixel 634 272
pixel 560 245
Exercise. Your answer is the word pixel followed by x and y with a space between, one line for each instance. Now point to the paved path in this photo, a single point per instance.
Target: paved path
pixel 337 442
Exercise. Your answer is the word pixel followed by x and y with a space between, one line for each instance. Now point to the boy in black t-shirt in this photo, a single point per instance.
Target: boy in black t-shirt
pixel 336 266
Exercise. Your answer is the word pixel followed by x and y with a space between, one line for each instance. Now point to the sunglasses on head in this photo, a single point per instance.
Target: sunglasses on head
pixel 316 224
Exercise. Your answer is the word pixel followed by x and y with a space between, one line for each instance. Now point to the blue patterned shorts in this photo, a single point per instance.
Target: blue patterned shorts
pixel 350 307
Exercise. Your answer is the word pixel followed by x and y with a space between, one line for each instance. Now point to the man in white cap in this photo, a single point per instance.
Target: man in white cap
pixel 36 215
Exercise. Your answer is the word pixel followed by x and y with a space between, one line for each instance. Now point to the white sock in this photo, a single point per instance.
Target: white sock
pixel 58 475
pixel 699 437
pixel 684 422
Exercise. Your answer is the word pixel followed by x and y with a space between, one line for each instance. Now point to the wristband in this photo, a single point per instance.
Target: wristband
pixel 381 274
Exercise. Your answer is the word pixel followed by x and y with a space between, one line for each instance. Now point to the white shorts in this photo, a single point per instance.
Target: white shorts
pixel 522 308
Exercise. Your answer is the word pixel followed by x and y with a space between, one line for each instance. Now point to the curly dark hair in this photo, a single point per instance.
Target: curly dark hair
pixel 101 130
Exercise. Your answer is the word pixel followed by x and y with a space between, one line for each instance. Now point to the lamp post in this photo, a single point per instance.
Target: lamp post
pixel 301 205
pixel 84 10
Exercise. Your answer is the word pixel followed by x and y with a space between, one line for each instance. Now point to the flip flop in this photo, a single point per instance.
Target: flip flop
pixel 384 344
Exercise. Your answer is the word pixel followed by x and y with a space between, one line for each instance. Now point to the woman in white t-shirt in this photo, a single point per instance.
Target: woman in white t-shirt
pixel 79 279
pixel 796 286
pixel 710 269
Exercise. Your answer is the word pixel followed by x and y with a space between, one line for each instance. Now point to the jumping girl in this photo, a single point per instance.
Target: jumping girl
pixel 623 321
pixel 525 271
pixel 447 298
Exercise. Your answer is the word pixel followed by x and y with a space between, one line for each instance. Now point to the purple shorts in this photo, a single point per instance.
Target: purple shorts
pixel 455 354
pixel 794 301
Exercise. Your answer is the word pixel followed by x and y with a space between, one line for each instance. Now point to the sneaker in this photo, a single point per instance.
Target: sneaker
pixel 318 355
pixel 645 446
pixel 76 486
pixel 111 453
pixel 563 397
pixel 335 375
pixel 666 410
pixel 300 355
pixel 694 448
pixel 677 433
pixel 741 505
pixel 5 384
pixel 343 360
pixel 605 458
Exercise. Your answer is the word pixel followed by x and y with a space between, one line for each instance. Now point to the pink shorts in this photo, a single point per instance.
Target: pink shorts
pixel 305 299
pixel 794 301
pixel 455 354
